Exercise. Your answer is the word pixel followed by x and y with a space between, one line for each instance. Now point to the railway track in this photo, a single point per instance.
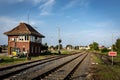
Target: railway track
pixel 65 72
pixel 14 69
pixel 55 68
pixel 40 71
pixel 82 71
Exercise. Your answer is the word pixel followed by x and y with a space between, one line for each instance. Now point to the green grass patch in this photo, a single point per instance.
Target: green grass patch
pixel 11 61
pixel 63 52
pixel 116 59
pixel 103 71
pixel 96 59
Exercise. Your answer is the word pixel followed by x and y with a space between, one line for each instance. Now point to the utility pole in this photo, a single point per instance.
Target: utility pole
pixel 112 48
pixel 59 41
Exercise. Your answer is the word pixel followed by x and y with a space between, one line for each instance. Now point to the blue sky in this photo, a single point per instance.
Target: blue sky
pixel 80 21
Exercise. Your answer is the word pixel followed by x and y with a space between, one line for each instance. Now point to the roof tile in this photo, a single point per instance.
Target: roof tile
pixel 23 29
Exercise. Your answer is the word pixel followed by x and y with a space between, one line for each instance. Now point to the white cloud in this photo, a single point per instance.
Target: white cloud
pixel 45 13
pixel 37 1
pixel 75 20
pixel 73 3
pixel 34 2
pixel 37 23
pixel 104 24
pixel 7 21
pixel 46 7
pixel 11 1
pixel 6 24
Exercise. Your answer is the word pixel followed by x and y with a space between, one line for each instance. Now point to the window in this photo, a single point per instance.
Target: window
pixel 12 39
pixel 35 37
pixel 32 38
pixel 40 40
pixel 21 38
pixel 26 38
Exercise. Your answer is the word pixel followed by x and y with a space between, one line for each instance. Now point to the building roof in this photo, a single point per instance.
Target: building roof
pixel 24 29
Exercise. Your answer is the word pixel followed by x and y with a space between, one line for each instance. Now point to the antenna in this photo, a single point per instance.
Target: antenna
pixel 28 17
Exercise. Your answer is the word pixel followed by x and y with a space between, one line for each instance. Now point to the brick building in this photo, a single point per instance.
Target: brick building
pixel 24 39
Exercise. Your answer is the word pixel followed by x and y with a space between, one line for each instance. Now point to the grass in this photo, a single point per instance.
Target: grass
pixel 116 59
pixel 102 71
pixel 11 61
pixel 63 52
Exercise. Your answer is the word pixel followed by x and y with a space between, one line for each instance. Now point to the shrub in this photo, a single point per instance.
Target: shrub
pixel 104 50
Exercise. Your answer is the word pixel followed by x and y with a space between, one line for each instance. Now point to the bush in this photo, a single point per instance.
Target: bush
pixel 104 50
pixel 0 50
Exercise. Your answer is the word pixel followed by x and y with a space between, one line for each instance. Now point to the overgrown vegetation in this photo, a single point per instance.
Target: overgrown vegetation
pixel 101 71
pixel 104 50
pixel 116 46
pixel 15 60
pixel 94 46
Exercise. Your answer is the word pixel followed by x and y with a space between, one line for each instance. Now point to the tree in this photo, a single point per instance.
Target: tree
pixel 104 50
pixel 61 47
pixel 118 45
pixel 44 47
pixel 70 46
pixel 76 47
pixel 114 47
pixel 0 49
pixel 94 46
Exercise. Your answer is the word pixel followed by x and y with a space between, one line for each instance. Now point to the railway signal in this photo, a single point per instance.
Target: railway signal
pixel 59 41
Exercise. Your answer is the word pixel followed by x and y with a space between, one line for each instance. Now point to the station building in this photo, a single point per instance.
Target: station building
pixel 24 39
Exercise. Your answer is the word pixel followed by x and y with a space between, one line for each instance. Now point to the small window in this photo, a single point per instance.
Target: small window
pixel 35 37
pixel 26 37
pixel 12 39
pixel 21 38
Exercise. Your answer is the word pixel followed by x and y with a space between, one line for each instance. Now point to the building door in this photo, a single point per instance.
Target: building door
pixel 9 50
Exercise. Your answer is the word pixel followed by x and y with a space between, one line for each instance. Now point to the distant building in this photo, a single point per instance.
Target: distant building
pixel 84 47
pixel 69 47
pixel 101 47
pixel 52 48
pixel 109 48
pixel 24 39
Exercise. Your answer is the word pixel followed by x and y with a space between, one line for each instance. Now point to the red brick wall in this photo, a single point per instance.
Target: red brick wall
pixel 27 45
